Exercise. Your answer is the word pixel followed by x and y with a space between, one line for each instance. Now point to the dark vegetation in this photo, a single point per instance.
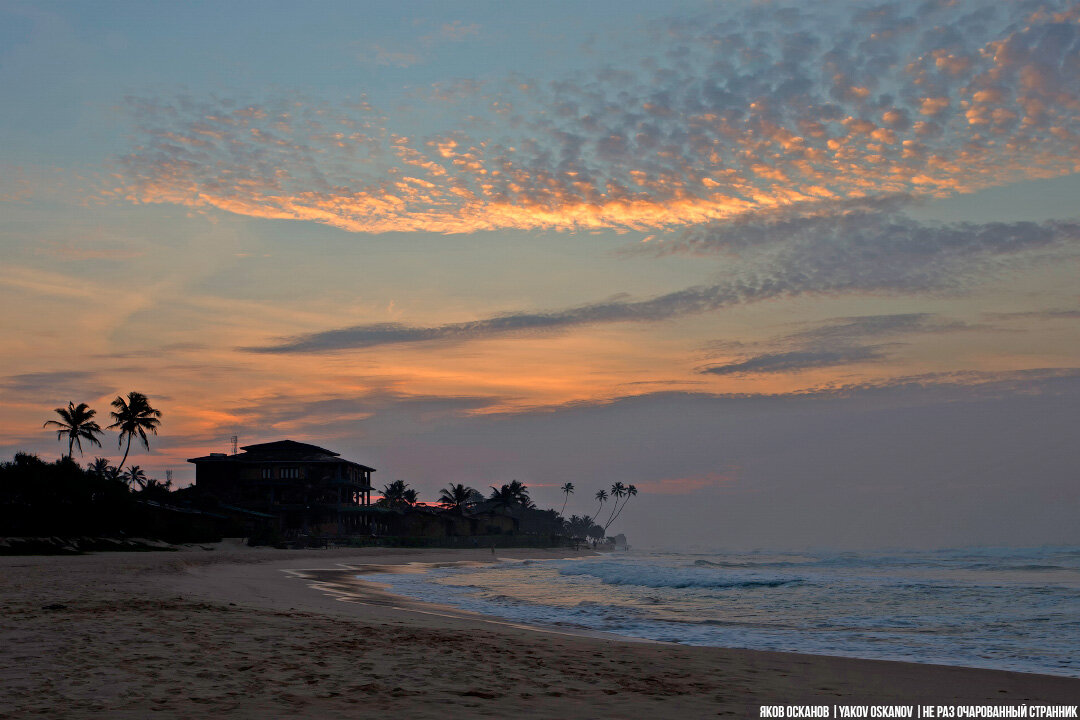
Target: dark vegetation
pixel 60 499
pixel 61 506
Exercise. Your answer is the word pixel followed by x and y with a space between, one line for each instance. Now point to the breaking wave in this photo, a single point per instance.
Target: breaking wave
pixel 657 576
pixel 1002 608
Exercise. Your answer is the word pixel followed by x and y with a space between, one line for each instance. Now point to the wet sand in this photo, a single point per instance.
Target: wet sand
pixel 241 633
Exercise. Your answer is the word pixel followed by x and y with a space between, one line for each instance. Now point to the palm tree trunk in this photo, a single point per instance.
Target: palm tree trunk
pixel 126 451
pixel 565 500
pixel 614 515
pixel 611 516
pixel 620 511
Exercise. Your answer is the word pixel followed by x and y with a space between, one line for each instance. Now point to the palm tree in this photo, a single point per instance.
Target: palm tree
pixel 601 495
pixel 102 469
pixel 78 424
pixel 134 417
pixel 502 497
pixel 567 491
pixel 396 495
pixel 521 494
pixel 596 533
pixel 617 491
pixel 631 491
pixel 457 497
pixel 512 496
pixel 134 475
pixel 578 527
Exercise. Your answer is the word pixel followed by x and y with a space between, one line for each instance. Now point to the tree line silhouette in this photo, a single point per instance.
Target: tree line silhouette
pixel 513 499
pixel 62 498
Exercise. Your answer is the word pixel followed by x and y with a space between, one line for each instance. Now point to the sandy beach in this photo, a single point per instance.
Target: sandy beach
pixel 237 632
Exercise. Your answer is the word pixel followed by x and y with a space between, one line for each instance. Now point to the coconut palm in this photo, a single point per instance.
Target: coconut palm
pixel 617 491
pixel 596 533
pixel 567 491
pixel 578 527
pixel 395 495
pixel 601 495
pixel 410 497
pixel 521 494
pixel 78 424
pixel 457 497
pixel 631 491
pixel 511 496
pixel 502 497
pixel 134 475
pixel 102 469
pixel 134 417
pixel 583 528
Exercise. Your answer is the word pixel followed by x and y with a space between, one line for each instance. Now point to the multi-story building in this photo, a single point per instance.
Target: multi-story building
pixel 310 489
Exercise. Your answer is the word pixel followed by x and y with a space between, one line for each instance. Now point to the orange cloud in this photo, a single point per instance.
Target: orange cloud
pixel 644 155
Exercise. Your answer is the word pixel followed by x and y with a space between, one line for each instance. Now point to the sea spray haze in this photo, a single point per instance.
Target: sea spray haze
pixel 1010 609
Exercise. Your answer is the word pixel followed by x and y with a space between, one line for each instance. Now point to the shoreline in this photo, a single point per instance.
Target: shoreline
pixel 241 632
pixel 349 584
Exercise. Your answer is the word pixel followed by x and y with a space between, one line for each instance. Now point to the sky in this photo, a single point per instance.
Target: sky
pixel 806 274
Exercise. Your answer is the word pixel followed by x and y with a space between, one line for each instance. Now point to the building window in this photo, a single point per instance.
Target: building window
pixel 268 473
pixel 290 473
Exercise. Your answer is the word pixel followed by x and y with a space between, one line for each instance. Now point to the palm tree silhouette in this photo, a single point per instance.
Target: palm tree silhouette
pixel 102 469
pixel 617 491
pixel 397 494
pixel 78 424
pixel 515 494
pixel 631 491
pixel 134 475
pixel 567 490
pixel 578 527
pixel 601 495
pixel 502 497
pixel 456 497
pixel 134 417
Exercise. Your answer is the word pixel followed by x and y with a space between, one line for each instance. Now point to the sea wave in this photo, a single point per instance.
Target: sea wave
pixel 654 576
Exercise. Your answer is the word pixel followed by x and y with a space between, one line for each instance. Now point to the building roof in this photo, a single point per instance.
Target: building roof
pixel 279 451
pixel 290 448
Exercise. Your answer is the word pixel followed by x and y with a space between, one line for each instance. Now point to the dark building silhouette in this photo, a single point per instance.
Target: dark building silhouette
pixel 310 489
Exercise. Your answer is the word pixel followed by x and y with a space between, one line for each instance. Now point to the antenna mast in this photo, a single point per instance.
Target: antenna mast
pixel 233 440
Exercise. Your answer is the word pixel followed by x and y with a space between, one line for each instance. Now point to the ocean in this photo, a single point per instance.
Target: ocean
pixel 1009 609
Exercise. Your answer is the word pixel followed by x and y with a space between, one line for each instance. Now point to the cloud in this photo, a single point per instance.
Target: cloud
pixel 831 343
pixel 856 251
pixel 861 326
pixel 691 300
pixel 458 31
pixel 395 58
pixel 330 416
pixel 1045 314
pixel 50 387
pixel 955 386
pixel 745 109
pixel 797 360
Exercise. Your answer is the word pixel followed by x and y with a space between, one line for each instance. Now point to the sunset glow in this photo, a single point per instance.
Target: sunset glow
pixel 676 248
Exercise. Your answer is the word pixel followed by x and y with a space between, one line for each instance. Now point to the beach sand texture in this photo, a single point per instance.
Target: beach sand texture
pixel 241 633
